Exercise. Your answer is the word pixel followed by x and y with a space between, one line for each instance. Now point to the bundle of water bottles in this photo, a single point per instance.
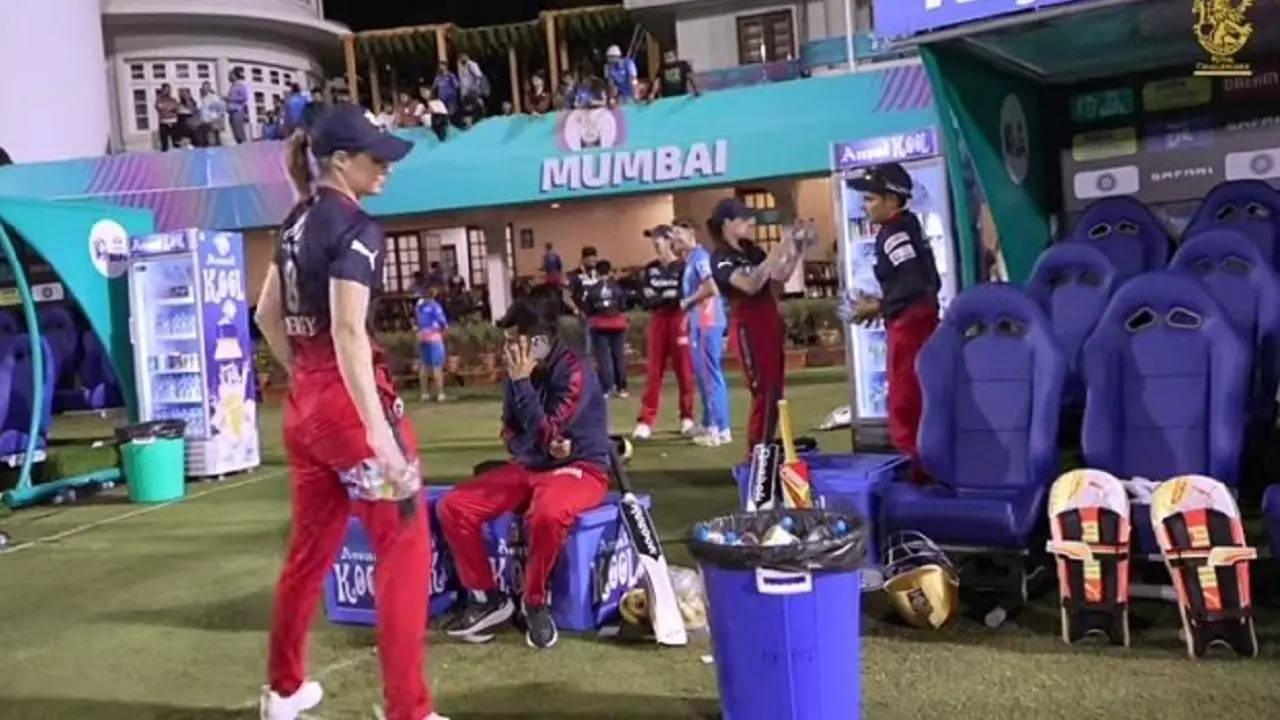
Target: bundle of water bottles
pixel 809 539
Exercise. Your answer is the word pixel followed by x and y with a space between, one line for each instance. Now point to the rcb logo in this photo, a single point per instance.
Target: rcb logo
pixel 1222 30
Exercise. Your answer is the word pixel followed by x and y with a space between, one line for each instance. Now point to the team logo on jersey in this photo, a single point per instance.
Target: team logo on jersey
pixel 370 255
pixel 1222 30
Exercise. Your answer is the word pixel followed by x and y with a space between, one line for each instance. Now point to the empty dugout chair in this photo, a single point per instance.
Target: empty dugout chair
pixel 15 368
pixel 58 328
pixel 1126 232
pixel 1248 289
pixel 98 381
pixel 1072 283
pixel 1166 376
pixel 1249 206
pixel 992 377
pixel 1271 515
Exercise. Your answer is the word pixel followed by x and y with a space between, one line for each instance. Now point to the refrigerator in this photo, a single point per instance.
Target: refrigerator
pixel 867 348
pixel 189 324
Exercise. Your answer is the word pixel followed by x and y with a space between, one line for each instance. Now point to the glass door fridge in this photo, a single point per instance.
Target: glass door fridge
pixel 867 347
pixel 190 332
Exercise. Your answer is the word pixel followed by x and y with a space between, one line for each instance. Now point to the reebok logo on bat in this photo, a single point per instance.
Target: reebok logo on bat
pixel 370 255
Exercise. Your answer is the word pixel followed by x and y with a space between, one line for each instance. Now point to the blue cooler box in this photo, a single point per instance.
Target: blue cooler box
pixel 786 645
pixel 348 587
pixel 595 569
pixel 845 482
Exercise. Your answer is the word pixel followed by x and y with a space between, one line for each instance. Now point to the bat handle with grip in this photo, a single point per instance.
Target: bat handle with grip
pixel 789 453
pixel 619 471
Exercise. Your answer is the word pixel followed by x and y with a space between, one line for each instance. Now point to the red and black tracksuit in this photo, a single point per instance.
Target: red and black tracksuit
pixel 326 238
pixel 756 331
pixel 560 401
pixel 667 338
pixel 909 284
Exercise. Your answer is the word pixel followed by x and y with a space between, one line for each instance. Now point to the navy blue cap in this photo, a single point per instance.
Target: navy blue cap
pixel 658 231
pixel 882 179
pixel 730 208
pixel 345 127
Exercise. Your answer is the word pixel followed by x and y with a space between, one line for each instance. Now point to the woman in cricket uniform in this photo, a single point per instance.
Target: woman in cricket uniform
pixel 351 450
pixel 752 280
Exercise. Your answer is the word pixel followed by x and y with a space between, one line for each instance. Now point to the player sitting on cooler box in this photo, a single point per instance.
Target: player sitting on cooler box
pixel 553 423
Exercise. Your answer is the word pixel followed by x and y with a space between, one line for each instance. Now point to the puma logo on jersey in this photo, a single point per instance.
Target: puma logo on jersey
pixel 371 255
pixel 724 263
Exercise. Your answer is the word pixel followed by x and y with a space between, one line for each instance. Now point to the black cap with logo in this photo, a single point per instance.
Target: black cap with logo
pixel 889 178
pixel 345 127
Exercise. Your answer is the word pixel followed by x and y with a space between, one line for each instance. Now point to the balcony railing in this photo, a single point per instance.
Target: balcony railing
pixel 816 55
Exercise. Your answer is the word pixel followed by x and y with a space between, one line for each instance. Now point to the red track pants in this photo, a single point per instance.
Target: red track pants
pixel 755 328
pixel 907 334
pixel 668 340
pixel 550 500
pixel 323 434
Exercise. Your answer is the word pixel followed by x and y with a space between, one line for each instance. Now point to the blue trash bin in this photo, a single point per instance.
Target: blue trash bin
pixel 787 643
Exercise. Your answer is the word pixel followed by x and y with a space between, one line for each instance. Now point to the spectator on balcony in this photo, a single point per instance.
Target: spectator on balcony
pixel 314 108
pixel 238 106
pixel 446 87
pixel 675 77
pixel 435 277
pixel 552 266
pixel 295 108
pixel 386 120
pixel 568 95
pixel 213 113
pixel 471 112
pixel 409 111
pixel 620 72
pixel 167 114
pixel 590 90
pixel 473 86
pixel 537 98
pixel 188 113
pixel 439 114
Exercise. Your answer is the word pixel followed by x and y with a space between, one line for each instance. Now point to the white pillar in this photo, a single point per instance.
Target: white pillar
pixel 52 53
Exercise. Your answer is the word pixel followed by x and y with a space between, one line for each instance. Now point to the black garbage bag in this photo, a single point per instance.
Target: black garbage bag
pixel 153 429
pixel 832 541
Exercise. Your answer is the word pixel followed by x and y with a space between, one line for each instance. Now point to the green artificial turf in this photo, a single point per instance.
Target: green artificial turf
pixel 163 613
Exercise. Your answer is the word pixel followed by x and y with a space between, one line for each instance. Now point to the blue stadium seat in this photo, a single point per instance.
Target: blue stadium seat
pixel 992 378
pixel 1248 289
pixel 1072 283
pixel 58 328
pixel 1166 377
pixel 1271 515
pixel 99 385
pixel 1249 206
pixel 15 367
pixel 1126 232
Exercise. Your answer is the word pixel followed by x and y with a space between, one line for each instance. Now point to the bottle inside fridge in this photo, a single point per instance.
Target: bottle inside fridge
pixel 168 326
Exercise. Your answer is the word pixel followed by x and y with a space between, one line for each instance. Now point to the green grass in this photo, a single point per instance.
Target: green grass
pixel 163 614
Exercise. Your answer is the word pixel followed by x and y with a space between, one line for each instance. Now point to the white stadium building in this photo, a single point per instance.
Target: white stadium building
pixel 89 70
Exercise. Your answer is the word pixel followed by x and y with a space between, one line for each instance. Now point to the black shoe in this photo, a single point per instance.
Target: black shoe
pixel 542 632
pixel 476 616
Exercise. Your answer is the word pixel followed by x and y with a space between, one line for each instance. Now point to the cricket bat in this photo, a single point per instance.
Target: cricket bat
pixel 668 623
pixel 763 490
pixel 793 476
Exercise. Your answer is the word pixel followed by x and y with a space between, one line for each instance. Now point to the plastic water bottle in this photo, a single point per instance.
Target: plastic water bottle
pixel 788 523
pixel 730 538
pixel 842 527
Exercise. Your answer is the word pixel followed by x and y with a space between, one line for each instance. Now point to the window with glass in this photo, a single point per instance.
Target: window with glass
pixel 476 256
pixel 403 259
pixel 765 206
pixel 766 37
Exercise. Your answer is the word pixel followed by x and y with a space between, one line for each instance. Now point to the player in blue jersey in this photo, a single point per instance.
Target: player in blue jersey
pixel 431 351
pixel 707 322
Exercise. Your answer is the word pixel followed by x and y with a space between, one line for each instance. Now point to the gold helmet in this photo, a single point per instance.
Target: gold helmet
pixel 921 582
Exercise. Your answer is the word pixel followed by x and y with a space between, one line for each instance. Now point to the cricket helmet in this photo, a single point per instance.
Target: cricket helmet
pixel 920 580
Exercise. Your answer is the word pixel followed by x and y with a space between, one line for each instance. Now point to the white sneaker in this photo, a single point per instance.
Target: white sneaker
pixel 707 440
pixel 688 428
pixel 424 398
pixel 274 707
pixel 441 397
pixel 642 432
pixel 726 437
pixel 624 394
